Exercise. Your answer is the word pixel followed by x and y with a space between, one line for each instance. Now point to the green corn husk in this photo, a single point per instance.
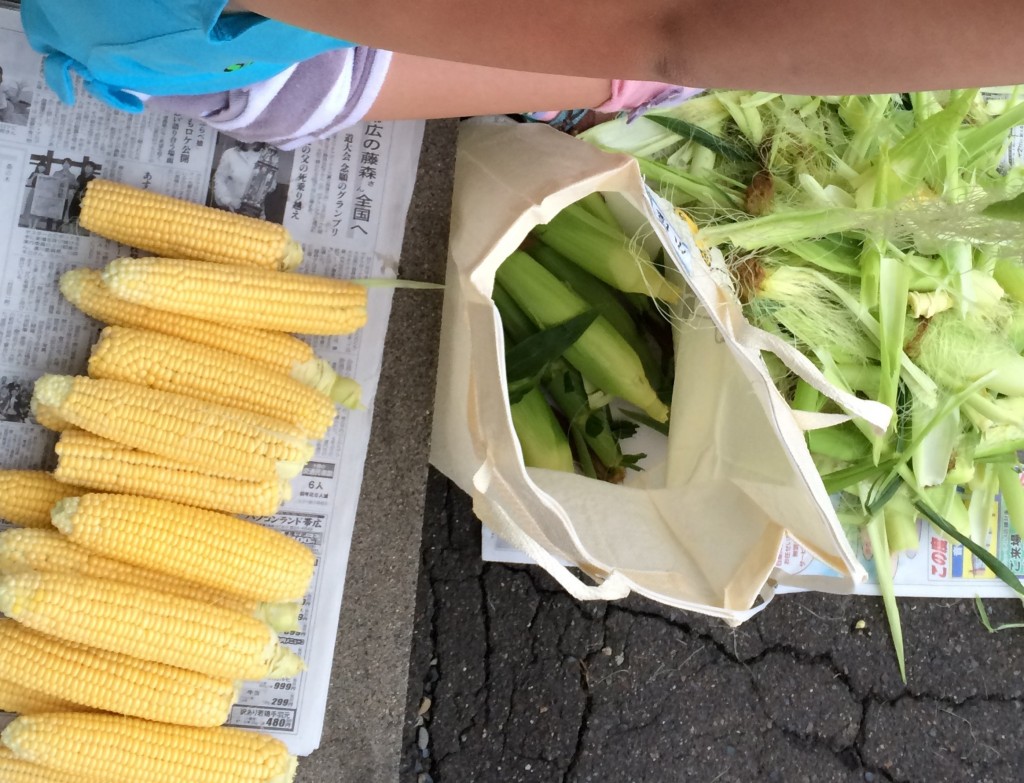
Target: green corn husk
pixel 602 298
pixel 1009 273
pixel 604 252
pixel 842 442
pixel 595 204
pixel 1012 495
pixel 591 429
pixel 601 354
pixel 514 321
pixel 901 524
pixel 541 437
pixel 957 352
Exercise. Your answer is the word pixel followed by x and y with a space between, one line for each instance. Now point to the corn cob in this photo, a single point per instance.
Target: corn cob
pixel 212 549
pixel 16 697
pixel 282 352
pixel 87 460
pixel 168 226
pixel 14 770
pixel 255 298
pixel 115 748
pixel 220 440
pixel 48 551
pixel 170 364
pixel 148 625
pixel 26 496
pixel 102 680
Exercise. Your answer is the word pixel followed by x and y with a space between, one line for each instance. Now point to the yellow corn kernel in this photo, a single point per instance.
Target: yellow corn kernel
pixel 87 460
pixel 285 353
pixel 217 439
pixel 14 770
pixel 148 625
pixel 112 747
pixel 213 549
pixel 48 551
pixel 173 365
pixel 111 682
pixel 168 226
pixel 16 697
pixel 26 496
pixel 256 298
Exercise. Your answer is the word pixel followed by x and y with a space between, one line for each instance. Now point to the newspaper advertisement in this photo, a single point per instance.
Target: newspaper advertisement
pixel 345 199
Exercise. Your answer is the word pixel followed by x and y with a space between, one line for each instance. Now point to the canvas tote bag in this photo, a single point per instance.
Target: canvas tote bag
pixel 700 528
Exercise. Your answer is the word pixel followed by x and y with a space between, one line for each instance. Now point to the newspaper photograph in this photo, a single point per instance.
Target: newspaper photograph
pixel 345 199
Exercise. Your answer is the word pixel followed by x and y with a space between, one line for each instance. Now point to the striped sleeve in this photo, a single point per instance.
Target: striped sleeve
pixel 311 100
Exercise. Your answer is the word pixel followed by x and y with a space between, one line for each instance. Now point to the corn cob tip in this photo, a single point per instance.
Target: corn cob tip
pixel 52 390
pixel 288 776
pixel 347 392
pixel 283 617
pixel 285 663
pixel 72 282
pixel 316 373
pixel 289 469
pixel 292 255
pixel 63 513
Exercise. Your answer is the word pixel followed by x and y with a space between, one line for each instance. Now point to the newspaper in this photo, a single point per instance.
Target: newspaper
pixel 345 199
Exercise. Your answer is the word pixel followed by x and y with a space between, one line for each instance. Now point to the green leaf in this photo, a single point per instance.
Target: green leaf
pixel 983 614
pixel 884 575
pixel 882 494
pixel 632 461
pixel 697 134
pixel 994 564
pixel 525 362
pixel 643 418
pixel 623 429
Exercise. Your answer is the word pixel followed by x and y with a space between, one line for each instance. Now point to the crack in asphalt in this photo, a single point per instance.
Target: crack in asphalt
pixel 497 721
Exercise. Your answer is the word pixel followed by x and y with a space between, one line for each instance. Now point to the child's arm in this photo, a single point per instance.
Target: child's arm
pixel 798 46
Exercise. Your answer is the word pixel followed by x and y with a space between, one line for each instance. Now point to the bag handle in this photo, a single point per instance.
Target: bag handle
pixel 874 413
pixel 812 420
pixel 489 485
pixel 767 593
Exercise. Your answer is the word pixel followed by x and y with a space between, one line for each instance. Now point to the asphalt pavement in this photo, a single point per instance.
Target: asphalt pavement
pixel 513 681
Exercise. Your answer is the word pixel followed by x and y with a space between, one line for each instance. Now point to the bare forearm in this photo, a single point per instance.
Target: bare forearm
pixel 800 46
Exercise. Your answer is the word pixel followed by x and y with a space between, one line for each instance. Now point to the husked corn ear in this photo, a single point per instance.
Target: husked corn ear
pixel 220 440
pixel 16 697
pixel 48 551
pixel 170 364
pixel 26 496
pixel 213 549
pixel 111 682
pixel 148 625
pixel 115 748
pixel 170 226
pixel 14 770
pixel 285 353
pixel 256 298
pixel 90 461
